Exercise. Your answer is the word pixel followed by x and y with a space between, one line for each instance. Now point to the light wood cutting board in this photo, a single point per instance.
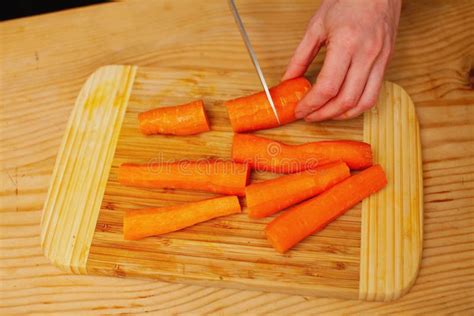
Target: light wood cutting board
pixel 372 252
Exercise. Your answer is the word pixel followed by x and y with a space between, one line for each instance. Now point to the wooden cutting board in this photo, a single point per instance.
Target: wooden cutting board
pixel 372 252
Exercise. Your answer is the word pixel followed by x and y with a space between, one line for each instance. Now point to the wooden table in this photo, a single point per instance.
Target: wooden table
pixel 45 59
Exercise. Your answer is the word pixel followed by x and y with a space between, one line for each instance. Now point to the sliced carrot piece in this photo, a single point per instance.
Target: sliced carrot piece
pixel 254 112
pixel 269 155
pixel 142 223
pixel 186 119
pixel 311 216
pixel 216 176
pixel 268 197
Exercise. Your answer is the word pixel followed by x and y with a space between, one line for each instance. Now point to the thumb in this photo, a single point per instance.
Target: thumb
pixel 304 54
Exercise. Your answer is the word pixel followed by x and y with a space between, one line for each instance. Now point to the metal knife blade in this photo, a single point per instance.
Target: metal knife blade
pixel 246 39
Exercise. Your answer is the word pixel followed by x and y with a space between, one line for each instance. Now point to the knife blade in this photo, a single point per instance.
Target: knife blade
pixel 253 57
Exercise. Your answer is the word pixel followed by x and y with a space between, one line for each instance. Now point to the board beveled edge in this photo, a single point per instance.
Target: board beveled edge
pixel 82 167
pixel 392 219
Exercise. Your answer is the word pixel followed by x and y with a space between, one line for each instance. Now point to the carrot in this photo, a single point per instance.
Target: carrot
pixel 268 197
pixel 254 112
pixel 311 216
pixel 186 119
pixel 138 224
pixel 216 176
pixel 269 155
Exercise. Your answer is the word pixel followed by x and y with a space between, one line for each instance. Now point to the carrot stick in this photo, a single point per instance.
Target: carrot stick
pixel 186 119
pixel 311 216
pixel 269 155
pixel 254 112
pixel 138 224
pixel 268 197
pixel 216 176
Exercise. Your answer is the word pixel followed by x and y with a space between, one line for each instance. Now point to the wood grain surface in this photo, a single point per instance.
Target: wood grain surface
pixel 44 61
pixel 82 229
pixel 392 220
pixel 82 167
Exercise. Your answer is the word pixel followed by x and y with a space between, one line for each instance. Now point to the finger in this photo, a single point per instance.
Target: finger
pixel 347 97
pixel 370 95
pixel 329 80
pixel 304 54
pixel 353 86
pixel 372 88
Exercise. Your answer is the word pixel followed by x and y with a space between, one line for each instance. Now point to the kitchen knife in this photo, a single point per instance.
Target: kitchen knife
pixel 246 39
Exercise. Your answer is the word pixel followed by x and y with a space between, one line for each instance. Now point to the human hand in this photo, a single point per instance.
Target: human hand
pixel 359 36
